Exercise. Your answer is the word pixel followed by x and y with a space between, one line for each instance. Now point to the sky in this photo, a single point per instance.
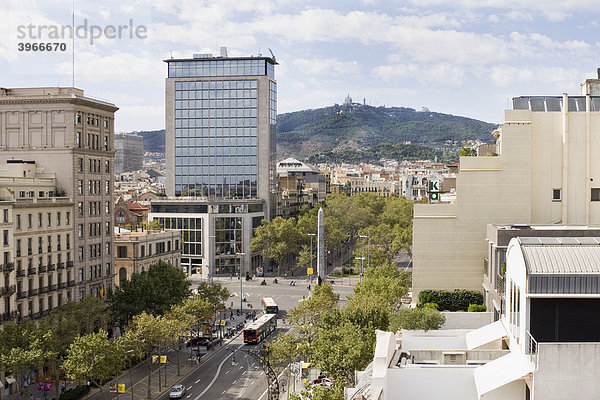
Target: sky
pixel 461 57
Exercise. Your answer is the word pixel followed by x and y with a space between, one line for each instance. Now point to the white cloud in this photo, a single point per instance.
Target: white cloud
pixel 326 67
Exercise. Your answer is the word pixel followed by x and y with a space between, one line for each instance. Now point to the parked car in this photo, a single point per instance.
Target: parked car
pixel 177 392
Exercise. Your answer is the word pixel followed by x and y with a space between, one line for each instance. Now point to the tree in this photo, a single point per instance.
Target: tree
pixel 215 294
pixel 307 314
pixel 154 225
pixel 467 152
pixel 276 239
pixel 283 351
pixel 94 358
pixel 342 347
pixel 384 286
pixel 155 291
pixel 417 318
pixel 147 333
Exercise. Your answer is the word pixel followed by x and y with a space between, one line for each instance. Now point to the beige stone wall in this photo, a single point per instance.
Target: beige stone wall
pixel 515 187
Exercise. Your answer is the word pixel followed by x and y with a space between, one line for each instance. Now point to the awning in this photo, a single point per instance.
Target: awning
pixel 500 372
pixel 304 364
pixel 486 334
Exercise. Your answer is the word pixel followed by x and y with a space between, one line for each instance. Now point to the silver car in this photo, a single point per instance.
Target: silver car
pixel 177 392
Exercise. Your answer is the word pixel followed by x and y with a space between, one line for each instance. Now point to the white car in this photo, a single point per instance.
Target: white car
pixel 177 392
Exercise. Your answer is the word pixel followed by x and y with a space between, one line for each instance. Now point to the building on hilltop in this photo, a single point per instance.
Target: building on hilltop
pixel 220 150
pixel 129 152
pixel 72 135
pixel 543 172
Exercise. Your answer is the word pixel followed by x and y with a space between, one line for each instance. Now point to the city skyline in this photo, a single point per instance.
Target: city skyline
pixel 460 58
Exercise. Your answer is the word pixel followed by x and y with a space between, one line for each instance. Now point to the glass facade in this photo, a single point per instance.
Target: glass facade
pixel 216 138
pixel 216 67
pixel 228 235
pixel 191 230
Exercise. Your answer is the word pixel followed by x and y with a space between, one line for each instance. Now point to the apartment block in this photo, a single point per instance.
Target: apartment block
pixel 129 152
pixel 220 124
pixel 136 251
pixel 38 272
pixel 72 135
pixel 543 172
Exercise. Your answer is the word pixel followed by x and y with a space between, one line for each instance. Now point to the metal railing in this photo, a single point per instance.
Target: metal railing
pixel 531 349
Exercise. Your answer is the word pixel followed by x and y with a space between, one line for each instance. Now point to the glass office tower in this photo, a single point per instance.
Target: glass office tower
pixel 220 150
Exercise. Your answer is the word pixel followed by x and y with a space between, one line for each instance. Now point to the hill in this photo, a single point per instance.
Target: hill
pixel 361 132
pixel 358 127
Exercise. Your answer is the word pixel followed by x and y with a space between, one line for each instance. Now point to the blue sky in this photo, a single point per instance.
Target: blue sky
pixel 463 57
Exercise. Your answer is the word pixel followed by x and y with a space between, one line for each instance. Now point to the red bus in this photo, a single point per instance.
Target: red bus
pixel 260 329
pixel 269 305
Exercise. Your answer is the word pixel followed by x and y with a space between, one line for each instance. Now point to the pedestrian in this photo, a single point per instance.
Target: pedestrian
pixel 309 288
pixel 230 277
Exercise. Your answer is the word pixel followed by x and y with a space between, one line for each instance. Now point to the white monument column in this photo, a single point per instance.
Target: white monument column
pixel 321 268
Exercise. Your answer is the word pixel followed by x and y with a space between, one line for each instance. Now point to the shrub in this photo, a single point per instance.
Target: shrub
pixel 75 393
pixel 456 300
pixel 417 318
pixel 477 308
pixel 433 306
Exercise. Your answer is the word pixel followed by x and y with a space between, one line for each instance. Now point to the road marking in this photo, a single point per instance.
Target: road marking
pixel 265 392
pixel 188 396
pixel 224 391
pixel 190 388
pixel 251 383
pixel 234 382
pixel 216 374
pixel 197 381
pixel 241 368
pixel 226 372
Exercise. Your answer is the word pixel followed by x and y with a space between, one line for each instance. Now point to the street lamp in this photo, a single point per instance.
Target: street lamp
pixel 130 375
pixel 241 289
pixel 311 254
pixel 362 258
pixel 211 268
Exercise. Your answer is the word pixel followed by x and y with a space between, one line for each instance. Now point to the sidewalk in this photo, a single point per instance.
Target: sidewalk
pixel 139 375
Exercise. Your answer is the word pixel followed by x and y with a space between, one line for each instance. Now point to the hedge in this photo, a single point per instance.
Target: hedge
pixel 75 393
pixel 477 308
pixel 456 300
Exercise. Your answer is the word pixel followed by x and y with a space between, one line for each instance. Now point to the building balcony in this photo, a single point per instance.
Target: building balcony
pixel 499 284
pixel 31 271
pixel 21 273
pixel 35 315
pixel 8 290
pixel 71 283
pixel 42 269
pixel 60 265
pixel 62 285
pixel 22 295
pixel 7 267
pixel 69 264
pixel 43 289
pixel 51 267
pixel 32 292
pixel 52 288
pixel 7 316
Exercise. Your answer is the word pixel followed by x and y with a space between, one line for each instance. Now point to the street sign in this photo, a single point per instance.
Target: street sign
pixel 309 271
pixel 163 359
pixel 434 196
pixel 222 322
pixel 121 388
pixel 113 388
pixel 154 359
pixel 434 186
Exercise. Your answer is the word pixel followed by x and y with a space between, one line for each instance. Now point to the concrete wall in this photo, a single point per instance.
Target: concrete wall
pixel 567 371
pixel 448 383
pixel 467 320
pixel 511 391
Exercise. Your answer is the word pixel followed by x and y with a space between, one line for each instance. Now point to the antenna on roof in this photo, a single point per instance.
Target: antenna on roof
pixel 272 55
pixel 171 52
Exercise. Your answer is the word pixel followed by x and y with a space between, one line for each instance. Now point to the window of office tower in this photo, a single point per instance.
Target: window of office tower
pixel 216 138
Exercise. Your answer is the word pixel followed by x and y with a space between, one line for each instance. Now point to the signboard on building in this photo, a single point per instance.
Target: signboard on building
pixel 434 191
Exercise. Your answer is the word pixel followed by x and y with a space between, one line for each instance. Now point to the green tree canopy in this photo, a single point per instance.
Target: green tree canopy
pixel 154 291
pixel 417 318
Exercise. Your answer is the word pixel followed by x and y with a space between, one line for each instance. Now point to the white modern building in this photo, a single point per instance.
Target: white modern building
pixel 545 346
pixel 545 172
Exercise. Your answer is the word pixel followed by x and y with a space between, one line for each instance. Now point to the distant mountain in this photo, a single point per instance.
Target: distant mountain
pixel 154 141
pixel 357 129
